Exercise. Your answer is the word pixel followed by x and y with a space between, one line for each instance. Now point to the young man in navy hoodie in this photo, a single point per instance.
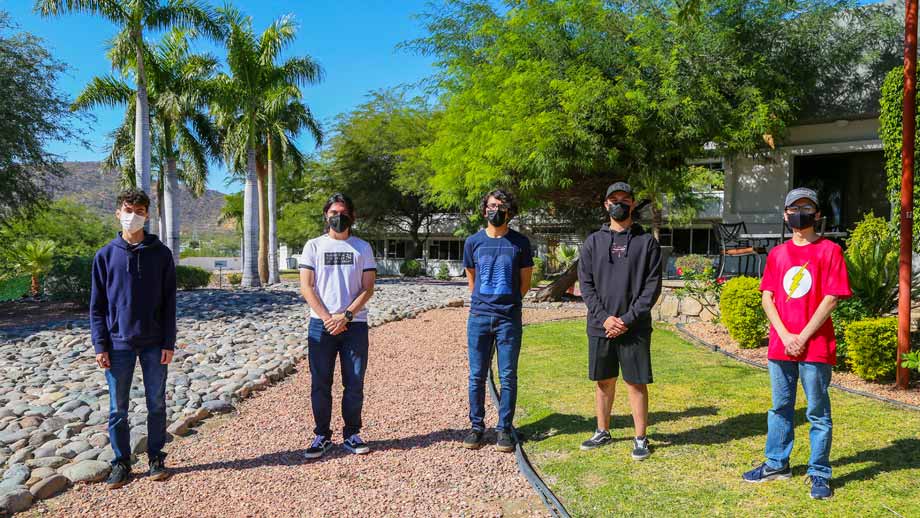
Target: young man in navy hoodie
pixel 133 318
pixel 619 271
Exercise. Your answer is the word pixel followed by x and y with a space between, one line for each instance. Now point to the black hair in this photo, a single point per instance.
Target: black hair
pixel 503 196
pixel 343 199
pixel 133 197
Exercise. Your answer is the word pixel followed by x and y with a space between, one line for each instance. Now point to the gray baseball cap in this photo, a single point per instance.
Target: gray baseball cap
pixel 618 186
pixel 801 192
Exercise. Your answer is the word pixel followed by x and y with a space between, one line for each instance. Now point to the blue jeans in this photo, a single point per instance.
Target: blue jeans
pixel 482 332
pixel 120 376
pixel 816 377
pixel 351 348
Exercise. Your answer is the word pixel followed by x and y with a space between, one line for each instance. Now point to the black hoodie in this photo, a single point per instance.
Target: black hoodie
pixel 133 302
pixel 625 287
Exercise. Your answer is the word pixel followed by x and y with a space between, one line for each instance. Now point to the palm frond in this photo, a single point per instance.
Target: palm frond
pixel 108 91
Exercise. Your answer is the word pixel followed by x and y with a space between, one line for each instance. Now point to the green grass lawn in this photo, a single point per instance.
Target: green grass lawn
pixel 707 425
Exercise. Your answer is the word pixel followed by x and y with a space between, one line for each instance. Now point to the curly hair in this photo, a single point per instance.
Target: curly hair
pixel 503 196
pixel 133 197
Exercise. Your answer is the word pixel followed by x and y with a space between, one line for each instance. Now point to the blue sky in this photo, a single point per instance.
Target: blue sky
pixel 354 41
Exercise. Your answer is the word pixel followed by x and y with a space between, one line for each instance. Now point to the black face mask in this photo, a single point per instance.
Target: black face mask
pixel 619 211
pixel 497 217
pixel 801 221
pixel 340 223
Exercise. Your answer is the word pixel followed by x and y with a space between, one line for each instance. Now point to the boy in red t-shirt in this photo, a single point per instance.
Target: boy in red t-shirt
pixel 801 284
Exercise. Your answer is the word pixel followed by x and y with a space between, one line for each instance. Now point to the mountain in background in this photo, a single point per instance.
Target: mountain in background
pixel 88 185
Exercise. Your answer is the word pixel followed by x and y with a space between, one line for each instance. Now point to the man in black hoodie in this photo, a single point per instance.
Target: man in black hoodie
pixel 133 318
pixel 619 272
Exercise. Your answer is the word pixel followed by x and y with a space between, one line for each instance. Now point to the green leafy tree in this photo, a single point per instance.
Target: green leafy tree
pixel 555 99
pixel 34 112
pixel 75 229
pixel 32 258
pixel 376 156
pixel 133 18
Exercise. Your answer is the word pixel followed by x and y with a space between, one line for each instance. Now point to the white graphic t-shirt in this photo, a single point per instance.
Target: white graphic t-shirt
pixel 338 266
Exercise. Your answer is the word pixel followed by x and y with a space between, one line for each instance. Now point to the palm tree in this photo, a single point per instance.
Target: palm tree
pixel 33 258
pixel 243 102
pixel 286 116
pixel 134 17
pixel 183 135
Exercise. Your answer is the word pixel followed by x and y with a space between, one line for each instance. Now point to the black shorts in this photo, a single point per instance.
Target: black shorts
pixel 630 352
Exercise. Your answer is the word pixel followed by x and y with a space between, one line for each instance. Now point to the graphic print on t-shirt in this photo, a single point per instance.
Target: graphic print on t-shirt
pixel 338 258
pixel 797 282
pixel 494 269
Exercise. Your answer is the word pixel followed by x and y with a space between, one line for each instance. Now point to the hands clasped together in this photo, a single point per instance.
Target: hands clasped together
pixel 336 324
pixel 615 326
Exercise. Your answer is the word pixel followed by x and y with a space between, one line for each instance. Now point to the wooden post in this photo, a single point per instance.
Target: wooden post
pixel 907 186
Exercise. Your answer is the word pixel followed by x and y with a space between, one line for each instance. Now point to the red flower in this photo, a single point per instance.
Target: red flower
pixel 680 271
pixel 721 280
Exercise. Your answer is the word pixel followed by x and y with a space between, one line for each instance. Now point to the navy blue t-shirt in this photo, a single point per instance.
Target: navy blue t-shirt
pixel 498 263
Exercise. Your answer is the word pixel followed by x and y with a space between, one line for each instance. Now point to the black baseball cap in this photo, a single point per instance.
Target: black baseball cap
pixel 618 186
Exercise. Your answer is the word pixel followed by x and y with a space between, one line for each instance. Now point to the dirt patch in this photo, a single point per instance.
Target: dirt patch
pixel 717 335
pixel 27 312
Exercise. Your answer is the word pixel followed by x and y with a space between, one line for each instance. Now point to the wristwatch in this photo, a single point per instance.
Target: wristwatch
pixel 349 316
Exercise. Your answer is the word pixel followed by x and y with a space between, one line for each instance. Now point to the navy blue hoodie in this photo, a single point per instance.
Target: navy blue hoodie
pixel 625 287
pixel 133 302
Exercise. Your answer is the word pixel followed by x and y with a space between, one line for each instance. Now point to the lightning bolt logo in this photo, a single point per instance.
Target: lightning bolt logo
pixel 796 280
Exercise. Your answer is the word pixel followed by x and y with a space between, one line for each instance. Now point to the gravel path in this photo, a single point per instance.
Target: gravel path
pixel 415 413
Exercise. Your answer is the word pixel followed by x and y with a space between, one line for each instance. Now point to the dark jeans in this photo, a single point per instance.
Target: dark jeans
pixel 351 348
pixel 120 376
pixel 482 332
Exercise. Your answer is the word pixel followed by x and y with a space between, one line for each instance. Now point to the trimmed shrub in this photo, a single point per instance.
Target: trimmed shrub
pixel 742 311
pixel 539 271
pixel 847 311
pixel 14 287
pixel 872 347
pixel 191 277
pixel 235 279
pixel 443 272
pixel 410 268
pixel 70 280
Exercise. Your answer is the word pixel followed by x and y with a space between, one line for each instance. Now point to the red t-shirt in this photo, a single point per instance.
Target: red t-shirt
pixel 799 278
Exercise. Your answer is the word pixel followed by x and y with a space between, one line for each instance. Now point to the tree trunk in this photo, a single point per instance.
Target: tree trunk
pixel 171 207
pixel 34 289
pixel 656 221
pixel 261 173
pixel 141 124
pixel 250 224
pixel 161 222
pixel 273 275
pixel 557 289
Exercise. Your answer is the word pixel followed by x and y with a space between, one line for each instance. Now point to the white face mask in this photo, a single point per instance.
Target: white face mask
pixel 131 222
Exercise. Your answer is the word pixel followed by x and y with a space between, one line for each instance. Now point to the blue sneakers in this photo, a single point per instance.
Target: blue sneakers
pixel 764 473
pixel 318 448
pixel 820 487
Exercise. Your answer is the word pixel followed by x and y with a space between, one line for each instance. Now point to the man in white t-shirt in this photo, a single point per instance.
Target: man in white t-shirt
pixel 337 274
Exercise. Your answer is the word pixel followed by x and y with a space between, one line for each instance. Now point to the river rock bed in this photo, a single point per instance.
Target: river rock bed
pixel 54 399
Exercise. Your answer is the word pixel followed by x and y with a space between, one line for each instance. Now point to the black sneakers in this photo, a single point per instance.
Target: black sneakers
pixel 640 448
pixel 318 448
pixel 158 469
pixel 473 440
pixel 356 445
pixel 600 438
pixel 505 442
pixel 119 476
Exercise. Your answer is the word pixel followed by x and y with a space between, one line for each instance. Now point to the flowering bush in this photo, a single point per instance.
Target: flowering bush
pixel 700 282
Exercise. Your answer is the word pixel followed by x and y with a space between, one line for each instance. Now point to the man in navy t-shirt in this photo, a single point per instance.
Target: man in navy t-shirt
pixel 498 264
